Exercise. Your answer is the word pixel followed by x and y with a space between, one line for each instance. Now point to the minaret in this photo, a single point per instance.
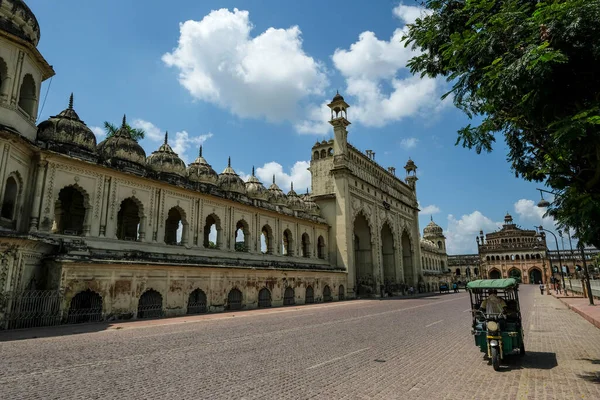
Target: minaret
pixel 411 173
pixel 339 122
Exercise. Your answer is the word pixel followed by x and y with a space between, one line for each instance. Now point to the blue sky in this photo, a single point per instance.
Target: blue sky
pixel 249 79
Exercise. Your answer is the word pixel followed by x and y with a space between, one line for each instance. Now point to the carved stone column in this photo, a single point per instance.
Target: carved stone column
pixel 37 195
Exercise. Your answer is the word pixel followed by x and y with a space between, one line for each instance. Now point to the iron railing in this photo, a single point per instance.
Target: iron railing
pixel 30 309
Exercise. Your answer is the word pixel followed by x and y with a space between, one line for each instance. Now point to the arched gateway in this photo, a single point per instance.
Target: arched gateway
pixel 363 256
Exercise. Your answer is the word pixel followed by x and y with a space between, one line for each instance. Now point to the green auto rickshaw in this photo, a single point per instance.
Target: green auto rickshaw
pixel 497 324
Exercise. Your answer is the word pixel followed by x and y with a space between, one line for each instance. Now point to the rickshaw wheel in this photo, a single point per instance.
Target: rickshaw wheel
pixel 522 350
pixel 495 359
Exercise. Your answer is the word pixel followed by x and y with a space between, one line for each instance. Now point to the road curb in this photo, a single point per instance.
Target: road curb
pixel 581 312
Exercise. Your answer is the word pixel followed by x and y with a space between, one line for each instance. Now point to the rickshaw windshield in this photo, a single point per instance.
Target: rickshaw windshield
pixel 491 298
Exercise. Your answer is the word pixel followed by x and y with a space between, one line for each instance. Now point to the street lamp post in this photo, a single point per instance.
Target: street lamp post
pixel 562 273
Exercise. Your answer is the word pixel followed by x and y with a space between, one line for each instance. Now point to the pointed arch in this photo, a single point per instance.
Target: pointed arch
pixel 321 250
pixel 266 239
pixel 197 302
pixel 234 299
pixel 289 296
pixel 388 254
pixel 494 273
pixel 407 258
pixel 264 298
pixel 176 226
pixel 309 296
pixel 71 211
pixel 130 219
pixel 11 198
pixel 150 304
pixel 305 247
pixel 287 244
pixel 85 306
pixel 27 95
pixel 212 232
pixel 363 254
pixel 242 236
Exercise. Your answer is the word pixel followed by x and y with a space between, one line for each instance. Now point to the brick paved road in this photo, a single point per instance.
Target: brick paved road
pixel 417 348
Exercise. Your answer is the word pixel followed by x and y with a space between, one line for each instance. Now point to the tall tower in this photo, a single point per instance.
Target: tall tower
pixel 411 173
pixel 339 122
pixel 22 68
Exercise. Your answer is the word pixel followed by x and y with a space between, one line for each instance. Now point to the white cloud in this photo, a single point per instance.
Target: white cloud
pixel 99 132
pixel 263 76
pixel 409 143
pixel 181 142
pixel 152 131
pixel 461 233
pixel 316 121
pixel 370 66
pixel 529 212
pixel 409 14
pixel 429 210
pixel 298 174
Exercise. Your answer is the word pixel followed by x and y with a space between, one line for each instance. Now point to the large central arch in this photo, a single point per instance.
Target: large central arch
pixel 407 260
pixel 363 254
pixel 387 253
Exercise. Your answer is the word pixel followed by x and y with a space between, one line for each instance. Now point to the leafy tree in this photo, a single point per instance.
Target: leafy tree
pixel 137 134
pixel 527 70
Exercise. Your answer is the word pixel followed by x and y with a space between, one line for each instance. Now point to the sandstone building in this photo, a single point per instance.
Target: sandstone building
pixel 92 231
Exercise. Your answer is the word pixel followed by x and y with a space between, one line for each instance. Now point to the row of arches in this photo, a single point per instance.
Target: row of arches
pixel 534 274
pixel 27 90
pixel 86 306
pixel 72 207
pixel 433 264
pixel 366 277
pixel 323 153
pixel 514 257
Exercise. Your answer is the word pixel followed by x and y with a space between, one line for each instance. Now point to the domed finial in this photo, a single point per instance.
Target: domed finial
pixel 229 162
pixel 166 136
pixel 431 218
pixel 200 153
pixel 124 124
pixel 273 179
pixel 292 185
pixel 306 190
pixel 71 101
pixel 253 170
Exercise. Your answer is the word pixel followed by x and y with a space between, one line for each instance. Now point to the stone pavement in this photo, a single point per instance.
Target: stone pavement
pixel 417 348
pixel 581 305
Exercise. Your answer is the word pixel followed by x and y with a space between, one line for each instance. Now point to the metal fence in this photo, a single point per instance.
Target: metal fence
pixel 576 285
pixel 30 309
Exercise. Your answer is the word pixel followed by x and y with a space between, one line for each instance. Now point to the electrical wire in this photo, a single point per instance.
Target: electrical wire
pixel 45 97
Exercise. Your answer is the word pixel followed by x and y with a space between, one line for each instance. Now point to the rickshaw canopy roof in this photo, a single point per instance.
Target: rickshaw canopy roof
pixel 492 284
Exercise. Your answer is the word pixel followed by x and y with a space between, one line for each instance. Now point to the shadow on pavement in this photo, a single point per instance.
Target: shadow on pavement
pixel 52 331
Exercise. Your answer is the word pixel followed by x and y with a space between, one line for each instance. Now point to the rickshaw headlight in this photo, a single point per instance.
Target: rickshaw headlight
pixel 492 326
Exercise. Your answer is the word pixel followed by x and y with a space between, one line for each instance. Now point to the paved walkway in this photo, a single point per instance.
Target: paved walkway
pixel 581 305
pixel 419 348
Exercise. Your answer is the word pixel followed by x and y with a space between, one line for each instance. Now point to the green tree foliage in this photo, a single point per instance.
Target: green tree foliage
pixel 528 70
pixel 136 133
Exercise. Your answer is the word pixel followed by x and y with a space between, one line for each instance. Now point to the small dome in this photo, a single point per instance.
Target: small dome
pixel 165 160
pixel 201 171
pixel 276 195
pixel 433 230
pixel 311 207
pixel 294 201
pixel 255 188
pixel 410 165
pixel 66 128
pixel 230 181
pixel 17 19
pixel 337 97
pixel 121 146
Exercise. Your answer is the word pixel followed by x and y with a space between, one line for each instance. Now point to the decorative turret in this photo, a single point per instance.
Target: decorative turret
pixel 255 188
pixel 411 173
pixel 230 181
pixel 435 234
pixel 68 134
pixel 121 150
pixel 276 195
pixel 200 171
pixel 311 207
pixel 339 122
pixel 294 201
pixel 165 160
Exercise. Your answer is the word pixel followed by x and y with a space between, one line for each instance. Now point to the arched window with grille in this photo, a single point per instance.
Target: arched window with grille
pixel 288 297
pixel 309 297
pixel 341 293
pixel 327 294
pixel 9 202
pixel 86 306
pixel 197 302
pixel 234 300
pixel 150 305
pixel 264 298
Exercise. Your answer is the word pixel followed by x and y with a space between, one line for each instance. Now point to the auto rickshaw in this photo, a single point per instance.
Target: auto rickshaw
pixel 444 288
pixel 497 326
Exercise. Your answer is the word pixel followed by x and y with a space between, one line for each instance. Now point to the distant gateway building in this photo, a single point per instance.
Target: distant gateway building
pixel 92 231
